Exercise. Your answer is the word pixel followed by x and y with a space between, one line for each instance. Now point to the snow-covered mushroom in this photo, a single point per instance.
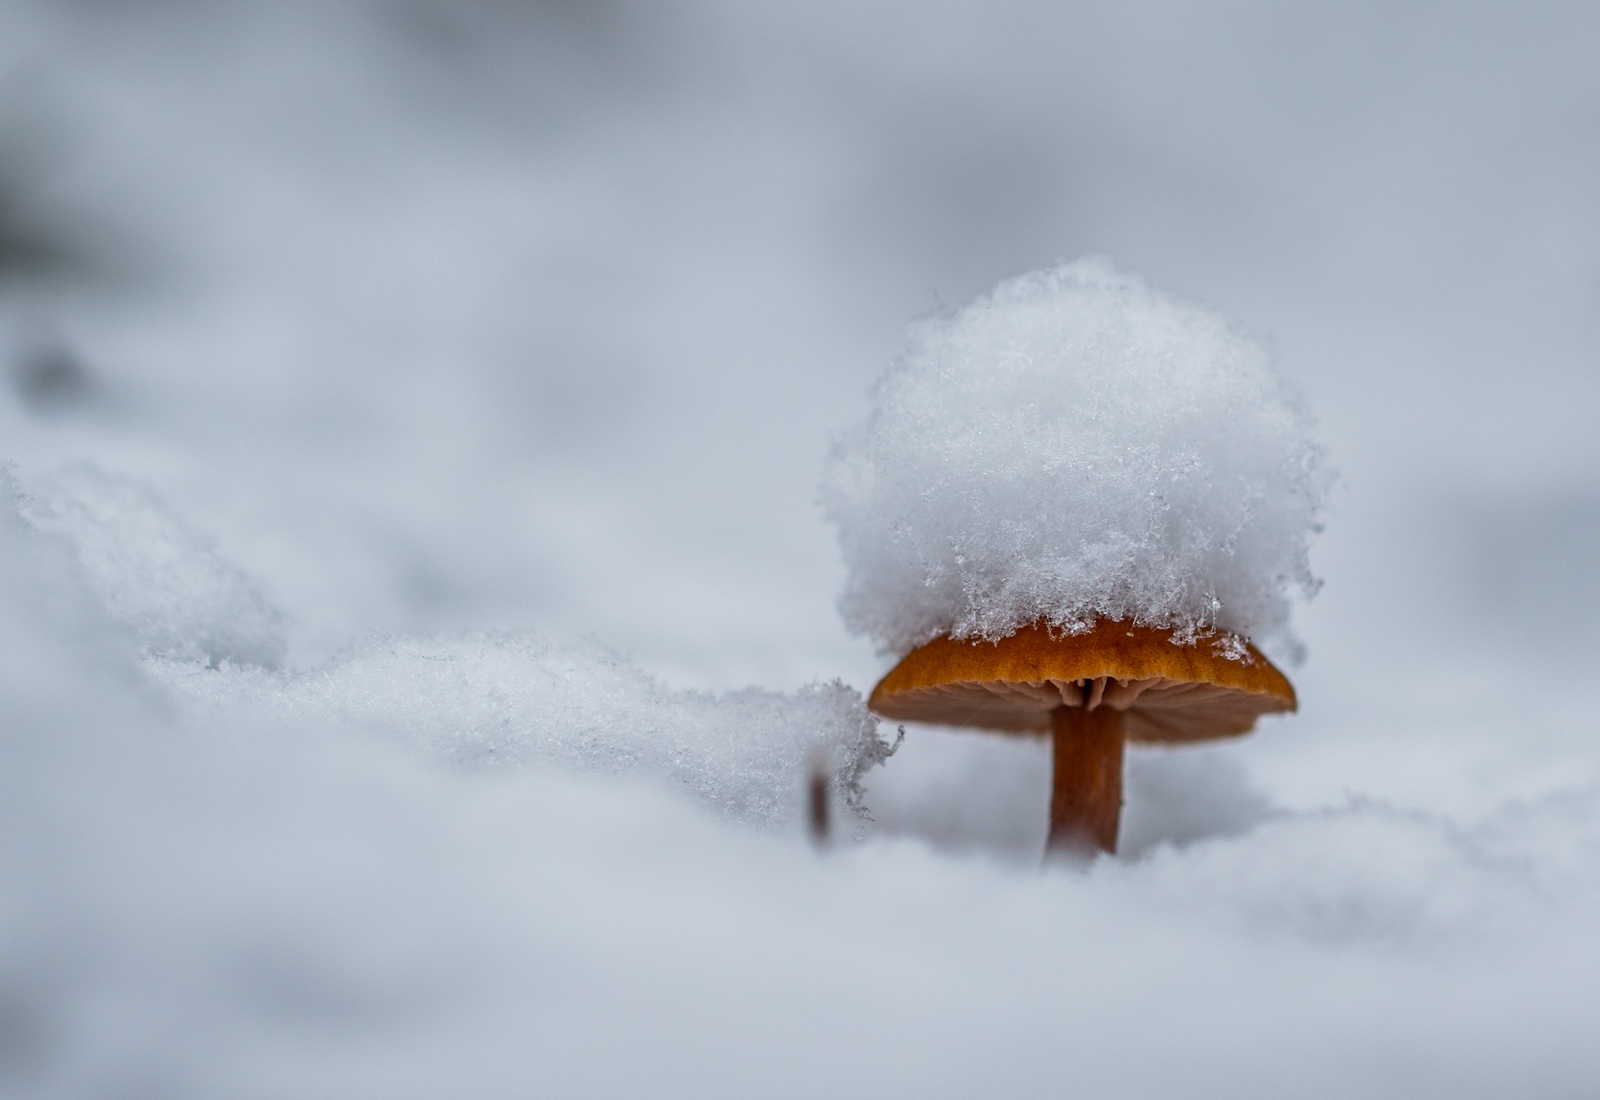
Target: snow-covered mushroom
pixel 1092 693
pixel 1070 454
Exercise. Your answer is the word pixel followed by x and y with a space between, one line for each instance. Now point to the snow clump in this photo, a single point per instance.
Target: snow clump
pixel 1075 444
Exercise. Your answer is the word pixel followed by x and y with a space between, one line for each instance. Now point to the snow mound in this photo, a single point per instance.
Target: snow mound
pixel 156 573
pixel 1076 444
pixel 490 700
pixel 210 637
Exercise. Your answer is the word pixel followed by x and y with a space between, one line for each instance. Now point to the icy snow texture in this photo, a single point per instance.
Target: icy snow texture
pixel 496 700
pixel 210 635
pixel 157 574
pixel 1072 445
pixel 475 700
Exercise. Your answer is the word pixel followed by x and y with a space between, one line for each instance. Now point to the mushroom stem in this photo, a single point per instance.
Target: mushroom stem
pixel 1086 802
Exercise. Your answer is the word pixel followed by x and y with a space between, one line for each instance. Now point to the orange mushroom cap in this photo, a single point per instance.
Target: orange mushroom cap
pixel 1169 692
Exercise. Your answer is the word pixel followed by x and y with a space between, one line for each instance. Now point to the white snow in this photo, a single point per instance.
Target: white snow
pixel 262 890
pixel 435 354
pixel 497 700
pixel 472 701
pixel 1075 444
pixel 156 574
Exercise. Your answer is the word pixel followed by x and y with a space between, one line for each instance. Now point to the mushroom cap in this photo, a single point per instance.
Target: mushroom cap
pixel 1169 692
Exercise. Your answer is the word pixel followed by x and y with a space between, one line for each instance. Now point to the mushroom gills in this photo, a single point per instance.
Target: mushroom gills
pixel 1158 709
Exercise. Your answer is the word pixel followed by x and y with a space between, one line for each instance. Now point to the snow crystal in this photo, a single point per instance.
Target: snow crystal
pixel 1076 444
pixel 501 699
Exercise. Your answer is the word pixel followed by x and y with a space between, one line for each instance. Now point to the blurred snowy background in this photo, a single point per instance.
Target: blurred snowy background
pixel 369 365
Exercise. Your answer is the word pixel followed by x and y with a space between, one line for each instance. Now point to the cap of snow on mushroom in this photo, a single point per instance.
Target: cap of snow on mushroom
pixel 1076 508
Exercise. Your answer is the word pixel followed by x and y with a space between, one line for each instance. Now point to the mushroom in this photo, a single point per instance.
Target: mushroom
pixel 1091 692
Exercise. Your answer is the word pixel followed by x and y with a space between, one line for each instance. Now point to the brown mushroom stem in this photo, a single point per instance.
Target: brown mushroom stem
pixel 1086 802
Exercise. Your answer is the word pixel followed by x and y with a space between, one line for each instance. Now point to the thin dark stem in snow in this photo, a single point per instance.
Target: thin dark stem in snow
pixel 819 779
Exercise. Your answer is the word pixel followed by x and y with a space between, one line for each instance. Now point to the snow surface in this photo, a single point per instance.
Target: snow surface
pixel 156 574
pixel 356 355
pixel 504 700
pixel 206 633
pixel 1076 445
pixel 248 894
